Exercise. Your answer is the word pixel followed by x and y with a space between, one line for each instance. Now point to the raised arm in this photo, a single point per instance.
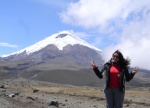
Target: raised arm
pixel 96 70
pixel 130 75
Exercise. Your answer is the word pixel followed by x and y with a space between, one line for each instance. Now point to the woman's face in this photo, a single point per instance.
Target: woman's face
pixel 115 57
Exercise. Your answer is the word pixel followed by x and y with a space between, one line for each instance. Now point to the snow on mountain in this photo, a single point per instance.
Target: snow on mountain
pixel 60 40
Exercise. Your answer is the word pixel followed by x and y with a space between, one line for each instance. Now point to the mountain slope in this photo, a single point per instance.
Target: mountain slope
pixel 59 51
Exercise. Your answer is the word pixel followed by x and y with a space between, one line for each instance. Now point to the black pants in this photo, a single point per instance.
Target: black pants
pixel 114 98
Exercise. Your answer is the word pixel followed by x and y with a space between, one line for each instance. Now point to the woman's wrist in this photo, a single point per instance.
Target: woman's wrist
pixel 94 66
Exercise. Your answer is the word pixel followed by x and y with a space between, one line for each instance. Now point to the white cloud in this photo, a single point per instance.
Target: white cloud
pixel 100 13
pixel 124 24
pixel 3 44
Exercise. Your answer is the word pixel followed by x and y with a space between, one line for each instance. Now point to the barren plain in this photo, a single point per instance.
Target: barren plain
pixel 24 93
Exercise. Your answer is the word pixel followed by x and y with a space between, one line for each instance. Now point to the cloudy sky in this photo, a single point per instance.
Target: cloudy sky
pixel 106 24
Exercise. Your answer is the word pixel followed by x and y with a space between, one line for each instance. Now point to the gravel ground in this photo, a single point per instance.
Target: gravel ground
pixel 22 93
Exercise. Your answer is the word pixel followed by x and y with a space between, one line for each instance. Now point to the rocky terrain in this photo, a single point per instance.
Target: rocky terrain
pixel 23 93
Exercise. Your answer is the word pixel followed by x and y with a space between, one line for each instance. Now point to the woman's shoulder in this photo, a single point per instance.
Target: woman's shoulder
pixel 107 64
pixel 124 67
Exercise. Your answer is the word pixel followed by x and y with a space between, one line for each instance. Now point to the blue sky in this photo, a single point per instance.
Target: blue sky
pixel 121 24
pixel 25 22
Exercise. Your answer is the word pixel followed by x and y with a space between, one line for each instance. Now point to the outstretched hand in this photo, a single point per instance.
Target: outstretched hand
pixel 92 63
pixel 135 70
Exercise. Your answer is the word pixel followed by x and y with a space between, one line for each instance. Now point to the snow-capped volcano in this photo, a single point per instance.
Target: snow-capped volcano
pixel 60 40
pixel 61 51
pixel 57 49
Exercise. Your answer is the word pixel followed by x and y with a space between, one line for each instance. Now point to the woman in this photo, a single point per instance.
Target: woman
pixel 116 71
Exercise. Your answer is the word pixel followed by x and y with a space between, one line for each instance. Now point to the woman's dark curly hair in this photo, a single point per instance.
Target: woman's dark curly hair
pixel 122 61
